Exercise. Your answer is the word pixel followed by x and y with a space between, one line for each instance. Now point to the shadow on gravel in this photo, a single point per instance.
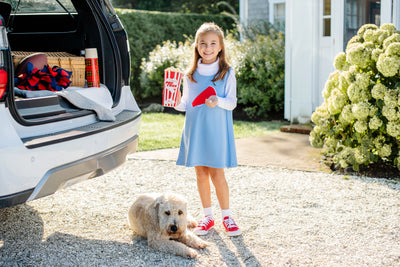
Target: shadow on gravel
pixel 21 232
pixel 229 256
pixel 22 244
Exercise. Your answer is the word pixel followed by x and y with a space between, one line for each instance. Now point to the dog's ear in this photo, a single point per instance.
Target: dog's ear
pixel 158 202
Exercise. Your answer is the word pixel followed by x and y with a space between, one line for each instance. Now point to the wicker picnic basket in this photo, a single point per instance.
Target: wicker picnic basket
pixel 64 60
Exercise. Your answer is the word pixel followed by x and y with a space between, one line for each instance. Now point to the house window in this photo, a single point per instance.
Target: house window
pixel 326 18
pixel 277 13
pixel 358 13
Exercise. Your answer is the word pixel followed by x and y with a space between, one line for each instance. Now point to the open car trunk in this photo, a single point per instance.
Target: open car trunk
pixel 69 27
pixel 53 137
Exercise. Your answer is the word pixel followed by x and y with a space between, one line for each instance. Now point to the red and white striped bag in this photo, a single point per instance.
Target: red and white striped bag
pixel 172 83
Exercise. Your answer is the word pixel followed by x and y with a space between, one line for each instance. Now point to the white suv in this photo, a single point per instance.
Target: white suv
pixel 49 142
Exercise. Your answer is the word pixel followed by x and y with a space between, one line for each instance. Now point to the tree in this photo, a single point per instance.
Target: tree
pixel 184 6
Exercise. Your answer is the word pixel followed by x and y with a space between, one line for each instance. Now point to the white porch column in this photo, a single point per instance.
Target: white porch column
pixel 390 12
pixel 386 11
pixel 396 14
pixel 299 59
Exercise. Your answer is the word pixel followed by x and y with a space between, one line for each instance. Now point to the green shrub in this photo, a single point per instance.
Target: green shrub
pixel 359 122
pixel 148 29
pixel 258 64
pixel 261 75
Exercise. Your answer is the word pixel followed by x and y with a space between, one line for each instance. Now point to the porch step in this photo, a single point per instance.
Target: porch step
pixel 296 128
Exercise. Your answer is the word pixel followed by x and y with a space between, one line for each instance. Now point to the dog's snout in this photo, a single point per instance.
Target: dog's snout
pixel 173 228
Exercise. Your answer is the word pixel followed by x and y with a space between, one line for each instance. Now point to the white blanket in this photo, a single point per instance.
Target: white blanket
pixel 98 99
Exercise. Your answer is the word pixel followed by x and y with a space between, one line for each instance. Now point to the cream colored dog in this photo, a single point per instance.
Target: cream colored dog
pixel 162 219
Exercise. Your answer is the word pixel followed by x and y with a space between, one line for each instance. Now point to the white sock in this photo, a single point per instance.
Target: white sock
pixel 208 211
pixel 225 213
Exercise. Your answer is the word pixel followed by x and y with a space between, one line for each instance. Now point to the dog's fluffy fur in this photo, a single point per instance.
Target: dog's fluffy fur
pixel 163 220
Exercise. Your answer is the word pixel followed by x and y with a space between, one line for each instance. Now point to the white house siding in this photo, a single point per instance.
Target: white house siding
pixel 252 11
pixel 258 10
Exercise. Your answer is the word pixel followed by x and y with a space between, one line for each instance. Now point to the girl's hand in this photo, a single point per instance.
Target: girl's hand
pixel 212 101
pixel 178 98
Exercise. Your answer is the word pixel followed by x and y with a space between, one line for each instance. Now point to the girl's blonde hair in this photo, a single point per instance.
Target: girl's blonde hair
pixel 223 63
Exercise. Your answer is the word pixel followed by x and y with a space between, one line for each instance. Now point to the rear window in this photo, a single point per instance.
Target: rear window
pixel 41 6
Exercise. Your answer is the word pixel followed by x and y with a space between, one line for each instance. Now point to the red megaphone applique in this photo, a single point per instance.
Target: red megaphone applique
pixel 201 98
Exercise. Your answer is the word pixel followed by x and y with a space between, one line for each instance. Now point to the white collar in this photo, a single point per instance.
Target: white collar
pixel 207 69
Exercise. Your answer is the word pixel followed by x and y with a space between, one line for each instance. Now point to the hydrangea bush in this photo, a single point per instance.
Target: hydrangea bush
pixel 359 121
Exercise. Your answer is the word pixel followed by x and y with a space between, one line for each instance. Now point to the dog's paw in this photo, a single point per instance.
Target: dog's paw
pixel 200 244
pixel 191 223
pixel 191 253
pixel 203 244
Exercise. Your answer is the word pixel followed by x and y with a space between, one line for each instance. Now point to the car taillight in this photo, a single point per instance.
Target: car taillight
pixel 3 82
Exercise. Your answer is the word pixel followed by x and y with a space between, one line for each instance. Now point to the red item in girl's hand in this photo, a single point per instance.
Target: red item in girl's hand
pixel 172 83
pixel 201 98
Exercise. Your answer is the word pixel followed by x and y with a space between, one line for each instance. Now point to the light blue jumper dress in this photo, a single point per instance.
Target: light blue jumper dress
pixel 207 137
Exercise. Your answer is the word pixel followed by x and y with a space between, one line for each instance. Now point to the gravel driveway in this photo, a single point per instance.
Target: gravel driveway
pixel 288 218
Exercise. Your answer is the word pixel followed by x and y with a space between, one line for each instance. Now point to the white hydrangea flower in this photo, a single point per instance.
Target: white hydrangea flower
pixel 321 113
pixel 347 115
pixel 389 27
pixel 394 38
pixel 388 65
pixel 393 49
pixel 393 128
pixel 361 155
pixel 360 110
pixel 391 98
pixel 390 113
pixel 343 83
pixel 353 41
pixel 379 91
pixel 357 93
pixel 376 53
pixel 379 141
pixel 336 101
pixel 370 36
pixel 359 55
pixel 340 62
pixel 366 27
pixel 330 144
pixel 376 36
pixel 315 139
pixel 385 151
pixel 375 123
pixel 361 126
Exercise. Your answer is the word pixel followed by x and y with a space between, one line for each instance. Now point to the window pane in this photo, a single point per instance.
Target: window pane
pixel 42 6
pixel 279 16
pixel 358 13
pixel 327 27
pixel 279 10
pixel 327 7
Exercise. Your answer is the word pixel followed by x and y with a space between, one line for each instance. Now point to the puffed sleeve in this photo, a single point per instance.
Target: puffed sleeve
pixel 182 106
pixel 229 101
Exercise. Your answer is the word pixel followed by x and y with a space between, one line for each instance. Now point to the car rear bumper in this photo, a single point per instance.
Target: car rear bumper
pixel 71 173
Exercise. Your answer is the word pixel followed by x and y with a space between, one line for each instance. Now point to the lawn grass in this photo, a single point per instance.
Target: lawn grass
pixel 163 130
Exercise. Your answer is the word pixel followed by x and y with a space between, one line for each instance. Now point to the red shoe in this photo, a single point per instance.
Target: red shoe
pixel 231 227
pixel 204 225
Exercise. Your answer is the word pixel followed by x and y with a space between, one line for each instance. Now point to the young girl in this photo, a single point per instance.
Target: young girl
pixel 208 142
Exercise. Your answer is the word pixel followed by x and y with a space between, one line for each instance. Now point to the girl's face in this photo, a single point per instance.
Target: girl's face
pixel 208 47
